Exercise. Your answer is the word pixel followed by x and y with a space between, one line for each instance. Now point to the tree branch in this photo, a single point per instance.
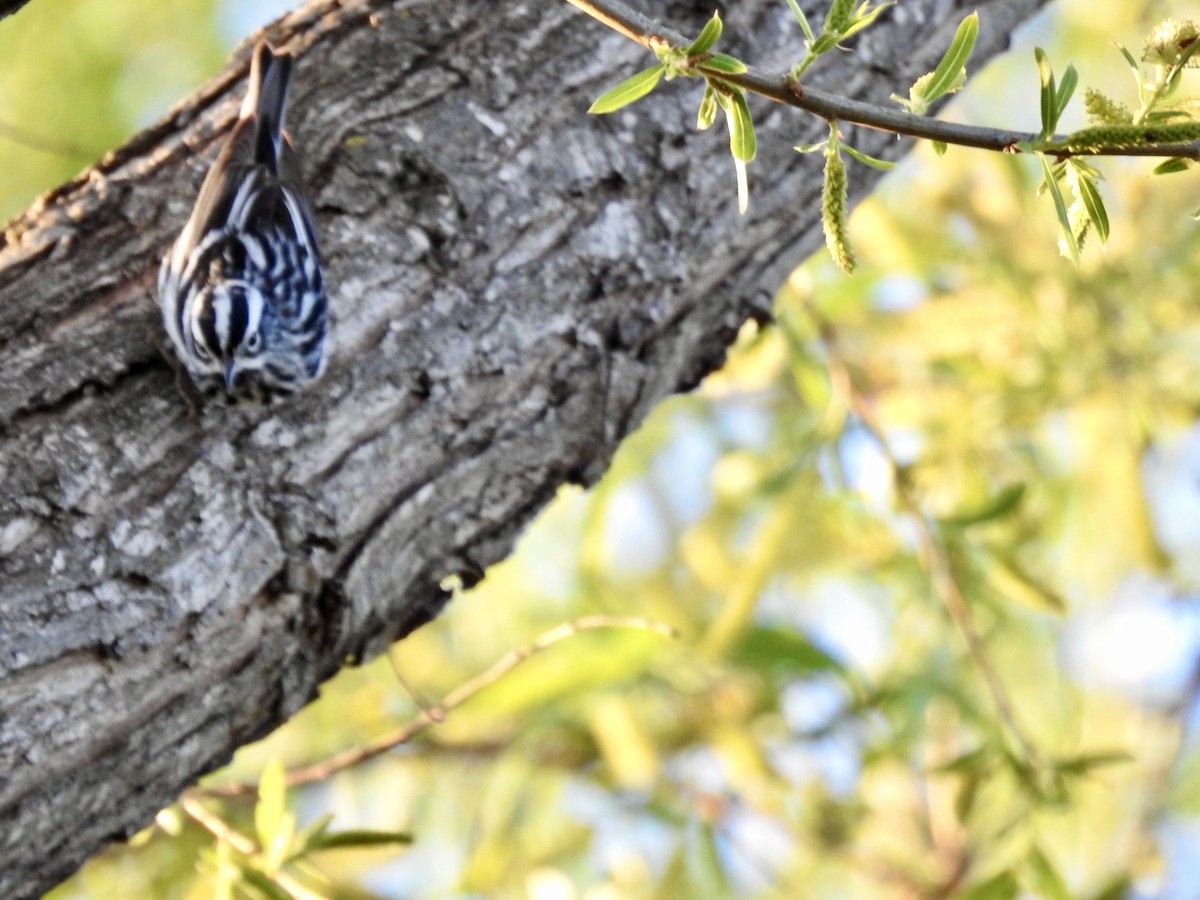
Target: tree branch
pixel 788 91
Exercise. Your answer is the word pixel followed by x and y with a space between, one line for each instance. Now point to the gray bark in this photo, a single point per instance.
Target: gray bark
pixel 514 285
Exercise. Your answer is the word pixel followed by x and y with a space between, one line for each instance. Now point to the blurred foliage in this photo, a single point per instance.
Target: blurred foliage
pixel 79 77
pixel 819 728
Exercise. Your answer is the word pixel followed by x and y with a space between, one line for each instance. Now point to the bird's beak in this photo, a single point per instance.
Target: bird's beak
pixel 230 375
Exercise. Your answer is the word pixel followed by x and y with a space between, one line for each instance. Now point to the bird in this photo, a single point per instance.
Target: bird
pixel 241 290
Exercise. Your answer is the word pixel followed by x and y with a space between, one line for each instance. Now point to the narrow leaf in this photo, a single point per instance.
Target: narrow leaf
pixel 1136 70
pixel 949 71
pixel 1066 89
pixel 723 62
pixel 262 883
pixel 629 90
pixel 995 507
pixel 707 113
pixel 999 887
pixel 741 128
pixel 1044 877
pixel 881 165
pixel 311 835
pixel 268 813
pixel 1178 164
pixel 861 21
pixel 802 19
pixel 1084 763
pixel 1094 205
pixel 708 36
pixel 1048 93
pixel 1060 208
pixel 361 838
pixel 810 148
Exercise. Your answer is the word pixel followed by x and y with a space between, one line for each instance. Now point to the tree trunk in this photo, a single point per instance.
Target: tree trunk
pixel 513 285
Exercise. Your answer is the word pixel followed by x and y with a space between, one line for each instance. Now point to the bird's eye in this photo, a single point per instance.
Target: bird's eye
pixel 254 342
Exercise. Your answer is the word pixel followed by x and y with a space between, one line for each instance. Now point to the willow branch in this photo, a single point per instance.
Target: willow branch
pixel 786 90
pixel 930 553
pixel 432 715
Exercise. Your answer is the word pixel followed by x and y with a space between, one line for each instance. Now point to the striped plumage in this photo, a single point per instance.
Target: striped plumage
pixel 241 291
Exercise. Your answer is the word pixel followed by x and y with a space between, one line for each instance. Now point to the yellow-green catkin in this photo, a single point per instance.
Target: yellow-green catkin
pixel 1132 135
pixel 833 212
pixel 1102 110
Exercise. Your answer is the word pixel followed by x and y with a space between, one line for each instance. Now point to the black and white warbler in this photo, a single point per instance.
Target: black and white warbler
pixel 241 291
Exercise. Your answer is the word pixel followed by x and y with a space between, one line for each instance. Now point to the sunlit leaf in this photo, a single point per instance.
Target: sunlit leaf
pixel 360 839
pixel 708 36
pixel 629 90
pixel 781 650
pixel 1044 878
pixel 723 63
pixel 1003 886
pixel 881 165
pixel 271 807
pixel 1171 166
pixel 948 76
pixel 1095 206
pixel 1060 208
pixel 999 505
pixel 802 19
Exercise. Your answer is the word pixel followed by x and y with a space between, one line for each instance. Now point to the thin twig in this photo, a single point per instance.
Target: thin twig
pixel 782 89
pixel 930 553
pixel 433 715
pixel 222 831
pixel 43 144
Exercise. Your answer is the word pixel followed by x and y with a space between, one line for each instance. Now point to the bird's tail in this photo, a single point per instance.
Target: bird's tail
pixel 270 74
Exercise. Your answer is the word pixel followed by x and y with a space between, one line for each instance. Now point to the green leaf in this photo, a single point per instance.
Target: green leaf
pixel 811 148
pixel 950 72
pixel 741 128
pixel 1086 762
pixel 881 165
pixel 1094 205
pixel 1178 164
pixel 976 761
pixel 1048 93
pixel 1066 89
pixel 310 836
pixel 629 90
pixel 1060 208
pixel 862 21
pixel 1003 886
pixel 269 812
pixel 802 19
pixel 361 838
pixel 707 114
pixel 263 884
pixel 708 37
pixel 702 861
pixel 1137 72
pixel 939 147
pixel 722 62
pixel 995 507
pixel 781 651
pixel 1044 878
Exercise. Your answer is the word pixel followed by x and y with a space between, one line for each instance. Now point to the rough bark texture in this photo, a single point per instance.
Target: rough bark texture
pixel 514 285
